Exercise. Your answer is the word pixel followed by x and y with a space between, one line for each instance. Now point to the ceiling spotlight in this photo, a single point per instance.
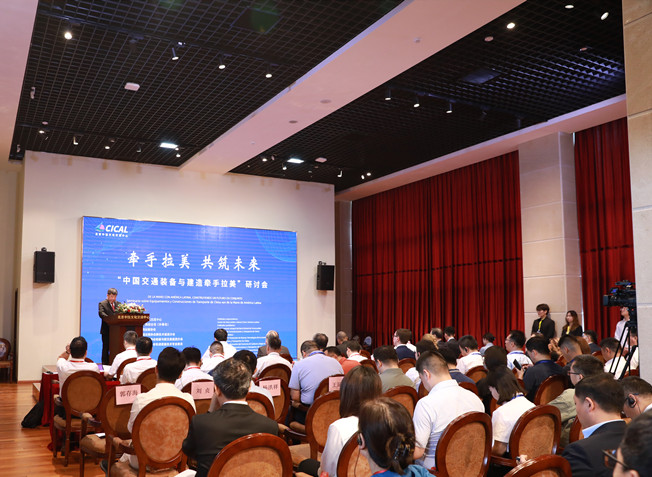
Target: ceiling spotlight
pixel 178 154
pixel 168 145
pixel 340 173
pixel 175 57
pixel 67 35
pixel 488 38
pixel 569 6
pixel 604 16
pixel 368 174
pixel 388 95
pixel 41 131
pixel 17 148
pixel 221 65
pixel 416 102
pixel 362 177
pixel 108 145
pixel 32 92
pixel 450 108
pixel 285 168
pixel 268 73
pixel 295 160
pixel 584 48
pixel 511 25
pixel 139 148
pixel 264 159
pixel 74 141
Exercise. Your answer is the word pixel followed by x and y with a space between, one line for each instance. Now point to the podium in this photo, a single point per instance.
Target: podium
pixel 121 323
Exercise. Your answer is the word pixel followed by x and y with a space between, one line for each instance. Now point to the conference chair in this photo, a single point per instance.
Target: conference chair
pixel 203 403
pixel 253 455
pixel 365 353
pixel 543 466
pixel 550 388
pixel 598 354
pixel 287 356
pixel 469 386
pixel 464 448
pixel 156 438
pixel 422 391
pixel 121 368
pixel 351 463
pixel 406 395
pixel 277 370
pixel 323 387
pixel 369 363
pixel 81 393
pixel 476 373
pixel 281 401
pixel 147 379
pixel 407 363
pixel 536 433
pixel 6 358
pixel 260 404
pixel 575 433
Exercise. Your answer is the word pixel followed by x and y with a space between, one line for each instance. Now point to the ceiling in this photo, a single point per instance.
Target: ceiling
pixel 553 62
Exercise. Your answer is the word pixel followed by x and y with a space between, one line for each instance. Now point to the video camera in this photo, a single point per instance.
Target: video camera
pixel 623 294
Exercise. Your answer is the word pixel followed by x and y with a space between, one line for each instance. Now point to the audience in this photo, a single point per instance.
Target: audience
pixel 143 362
pixel 402 338
pixel 248 358
pixel 614 361
pixel 272 356
pixel 437 333
pixel 494 358
pixel 390 374
pixel 353 349
pixel 633 457
pixel 570 349
pixel 638 396
pixel 129 344
pixel 262 351
pixel 572 326
pixel 192 371
pixel 215 357
pixel 321 340
pixel 599 401
pixel 73 360
pixel 543 367
pixel 445 401
pixel 450 341
pixel 471 357
pixel 451 362
pixel 422 347
pixel 341 338
pixel 514 344
pixel 228 350
pixel 488 341
pixel 544 323
pixel 592 339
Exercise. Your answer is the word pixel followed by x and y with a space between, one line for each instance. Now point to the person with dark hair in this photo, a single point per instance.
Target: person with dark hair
pixel 191 372
pixel 248 358
pixel 422 346
pixel 321 340
pixel 347 364
pixel 632 356
pixel 73 360
pixel 450 341
pixel 543 368
pixel 272 355
pixel 228 350
pixel 512 405
pixel 633 457
pixel 129 344
pixel 353 349
pixel 488 341
pixel 598 401
pixel 341 338
pixel 451 362
pixel 614 362
pixel 572 326
pixel 402 345
pixel 445 401
pixel 143 361
pixel 514 344
pixel 360 385
pixel 387 439
pixel 390 374
pixel 570 348
pixel 544 323
pixel 638 396
pixel 209 433
pixel 437 333
pixel 494 358
pixel 215 357
pixel 471 357
pixel 262 351
pixel 592 339
pixel 621 331
pixel 106 309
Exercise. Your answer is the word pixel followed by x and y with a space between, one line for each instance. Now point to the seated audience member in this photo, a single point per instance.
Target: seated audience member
pixel 599 401
pixel 543 367
pixel 191 372
pixel 209 433
pixel 129 344
pixel 582 366
pixel 445 401
pixel 592 339
pixel 335 353
pixel 494 358
pixel 360 385
pixel 347 364
pixel 450 341
pixel 390 374
pixel 638 396
pixel 341 337
pixel 273 356
pixel 487 342
pixel 428 337
pixel 73 360
pixel 262 351
pixel 228 350
pixel 471 357
pixel 248 358
pixel 451 362
pixel 387 439
pixel 512 405
pixel 353 349
pixel 514 344
pixel 168 369
pixel 143 361
pixel 570 349
pixel 422 347
pixel 321 340
pixel 614 363
pixel 572 326
pixel 437 333
pixel 401 338
pixel 633 348
pixel 215 357
pixel 633 457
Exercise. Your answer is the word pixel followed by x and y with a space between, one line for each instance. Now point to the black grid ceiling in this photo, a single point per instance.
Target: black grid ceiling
pixel 79 84
pixel 555 61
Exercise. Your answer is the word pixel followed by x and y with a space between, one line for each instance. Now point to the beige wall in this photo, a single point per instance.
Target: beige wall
pixel 59 190
pixel 8 193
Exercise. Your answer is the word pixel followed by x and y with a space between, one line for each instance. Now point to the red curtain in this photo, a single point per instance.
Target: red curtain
pixel 442 251
pixel 604 216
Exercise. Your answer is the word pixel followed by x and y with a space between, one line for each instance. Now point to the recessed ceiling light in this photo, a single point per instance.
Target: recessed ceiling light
pixel 41 131
pixel 511 25
pixel 295 160
pixel 178 155
pixel 362 176
pixel 67 35
pixel 604 16
pixel 169 145
pixel 584 48
pixel 368 174
pixel 264 159
pixel 44 123
pixel 321 160
pixel 569 6
pixel 488 38
pixel 132 86
pixel 221 65
pixel 285 168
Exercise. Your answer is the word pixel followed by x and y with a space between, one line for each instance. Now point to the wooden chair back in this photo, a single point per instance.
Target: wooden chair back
pixel 260 404
pixel 598 354
pixel 584 345
pixel 323 412
pixel 575 433
pixel 551 388
pixel 536 433
pixel 147 379
pixel 322 388
pixel 202 404
pixel 543 466
pixel 406 395
pixel 476 373
pixel 422 391
pixel 252 456
pixel 282 401
pixel 351 463
pixel 470 387
pixel 287 356
pixel 407 363
pixel 369 363
pixel 464 448
pixel 277 370
pixel 632 372
pixel 365 353
pixel 6 358
pixel 121 368
pixel 114 418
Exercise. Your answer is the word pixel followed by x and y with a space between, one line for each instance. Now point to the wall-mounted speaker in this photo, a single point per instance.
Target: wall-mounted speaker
pixel 43 267
pixel 325 276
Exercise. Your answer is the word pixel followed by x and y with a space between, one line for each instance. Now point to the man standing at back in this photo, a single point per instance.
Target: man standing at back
pixel 106 309
pixel 544 323
pixel 143 361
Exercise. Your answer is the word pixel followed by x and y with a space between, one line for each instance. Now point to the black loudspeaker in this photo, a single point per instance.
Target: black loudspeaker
pixel 325 277
pixel 43 267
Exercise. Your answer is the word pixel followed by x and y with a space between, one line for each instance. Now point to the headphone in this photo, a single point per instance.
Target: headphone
pixel 631 402
pixel 359 440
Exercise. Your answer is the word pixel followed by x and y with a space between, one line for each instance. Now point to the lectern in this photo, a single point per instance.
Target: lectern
pixel 121 323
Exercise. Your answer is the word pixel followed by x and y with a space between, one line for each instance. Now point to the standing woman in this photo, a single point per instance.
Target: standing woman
pixel 572 326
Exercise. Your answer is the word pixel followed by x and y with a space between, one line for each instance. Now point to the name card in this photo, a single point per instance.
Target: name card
pixel 273 386
pixel 334 383
pixel 201 390
pixel 126 394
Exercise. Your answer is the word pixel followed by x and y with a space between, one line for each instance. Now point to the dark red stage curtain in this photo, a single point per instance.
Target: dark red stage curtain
pixel 604 216
pixel 442 251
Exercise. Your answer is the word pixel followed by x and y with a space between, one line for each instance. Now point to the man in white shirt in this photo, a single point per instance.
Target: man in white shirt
pixel 621 332
pixel 422 347
pixel 353 349
pixel 143 361
pixel 514 345
pixel 129 343
pixel 273 355
pixel 73 360
pixel 471 356
pixel 228 350
pixel 445 401
pixel 215 357
pixel 638 396
pixel 191 372
pixel 613 364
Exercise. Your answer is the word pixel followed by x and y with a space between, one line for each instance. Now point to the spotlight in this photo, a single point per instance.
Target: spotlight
pixel 416 102
pixel 388 95
pixel 569 6
pixel 108 145
pixel 362 177
pixel 175 57
pixel 295 160
pixel 139 148
pixel 67 35
pixel 178 154
pixel 511 25
pixel 340 173
pixel 41 131
pixel 450 108
pixel 368 174
pixel 74 141
pixel 268 74
pixel 32 92
pixel 264 159
pixel 168 145
pixel 222 65
pixel 285 168
pixel 604 16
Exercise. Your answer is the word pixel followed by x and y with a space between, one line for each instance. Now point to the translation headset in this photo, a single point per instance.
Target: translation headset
pixel 631 402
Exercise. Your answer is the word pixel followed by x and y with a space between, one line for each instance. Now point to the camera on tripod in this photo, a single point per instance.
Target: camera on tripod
pixel 622 295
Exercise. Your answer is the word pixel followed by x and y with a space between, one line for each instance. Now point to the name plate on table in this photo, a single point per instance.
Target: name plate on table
pixel 126 394
pixel 201 390
pixel 334 383
pixel 273 386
